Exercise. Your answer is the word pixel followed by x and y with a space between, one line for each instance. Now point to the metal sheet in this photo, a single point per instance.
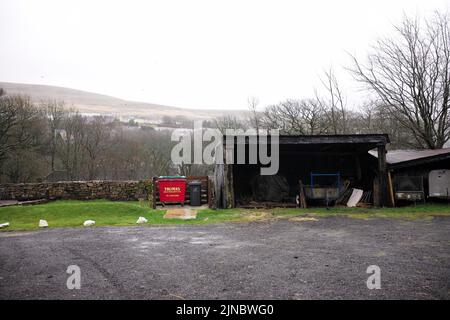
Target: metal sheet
pixel 439 183
pixel 398 156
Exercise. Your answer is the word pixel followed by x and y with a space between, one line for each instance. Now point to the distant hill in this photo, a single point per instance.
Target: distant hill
pixel 93 103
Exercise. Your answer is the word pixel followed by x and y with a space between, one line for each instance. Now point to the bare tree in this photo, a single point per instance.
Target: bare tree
pixel 25 165
pixel 313 116
pixel 17 118
pixel 305 116
pixel 255 117
pixel 336 102
pixel 411 75
pixel 285 116
pixel 96 142
pixel 228 122
pixel 71 144
pixel 55 113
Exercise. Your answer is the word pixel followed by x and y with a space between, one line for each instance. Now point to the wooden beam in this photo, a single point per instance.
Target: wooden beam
pixel 382 175
pixel 391 190
pixel 228 196
pixel 302 197
pixel 219 177
pixel 376 192
pixel 210 198
pixel 229 187
pixel 299 152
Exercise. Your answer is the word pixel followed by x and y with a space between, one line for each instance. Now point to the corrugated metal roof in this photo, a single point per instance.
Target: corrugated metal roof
pixel 398 156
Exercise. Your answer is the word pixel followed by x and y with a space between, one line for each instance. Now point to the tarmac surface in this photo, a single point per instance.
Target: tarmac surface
pixel 280 259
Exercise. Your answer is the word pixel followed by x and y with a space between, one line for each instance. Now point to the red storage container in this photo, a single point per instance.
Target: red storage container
pixel 172 189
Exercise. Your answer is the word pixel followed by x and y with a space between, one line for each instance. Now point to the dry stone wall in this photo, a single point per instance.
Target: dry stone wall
pixel 76 190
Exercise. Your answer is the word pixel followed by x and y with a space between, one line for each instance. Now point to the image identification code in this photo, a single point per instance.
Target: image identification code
pixel 227 310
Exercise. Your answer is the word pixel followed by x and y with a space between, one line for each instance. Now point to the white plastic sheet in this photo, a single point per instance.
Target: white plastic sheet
pixel 141 220
pixel 43 223
pixel 354 198
pixel 89 223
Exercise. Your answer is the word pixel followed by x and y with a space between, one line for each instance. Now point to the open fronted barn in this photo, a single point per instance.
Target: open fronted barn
pixel 318 168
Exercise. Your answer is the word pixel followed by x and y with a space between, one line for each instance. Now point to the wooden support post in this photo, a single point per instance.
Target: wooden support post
pixel 225 187
pixel 219 185
pixel 154 192
pixel 376 192
pixel 228 176
pixel 209 186
pixel 229 186
pixel 302 197
pixel 382 175
pixel 391 190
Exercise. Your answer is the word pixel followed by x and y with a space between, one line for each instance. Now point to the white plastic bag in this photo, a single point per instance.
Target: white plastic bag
pixel 4 225
pixel 141 220
pixel 89 223
pixel 43 223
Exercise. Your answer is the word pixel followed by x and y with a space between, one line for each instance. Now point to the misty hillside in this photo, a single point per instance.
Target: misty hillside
pixel 93 103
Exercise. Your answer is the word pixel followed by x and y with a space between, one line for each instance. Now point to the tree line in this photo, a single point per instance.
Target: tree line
pixel 38 140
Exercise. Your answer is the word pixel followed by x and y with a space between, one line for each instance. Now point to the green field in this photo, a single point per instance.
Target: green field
pixel 71 213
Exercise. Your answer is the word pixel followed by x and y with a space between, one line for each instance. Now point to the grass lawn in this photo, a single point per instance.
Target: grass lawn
pixel 71 213
pixel 421 211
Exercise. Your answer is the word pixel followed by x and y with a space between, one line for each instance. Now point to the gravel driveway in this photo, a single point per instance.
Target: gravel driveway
pixel 279 259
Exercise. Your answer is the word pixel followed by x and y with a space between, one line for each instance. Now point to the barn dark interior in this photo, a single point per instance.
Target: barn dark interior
pixel 327 160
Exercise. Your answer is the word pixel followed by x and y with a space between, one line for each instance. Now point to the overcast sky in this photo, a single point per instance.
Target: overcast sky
pixel 198 54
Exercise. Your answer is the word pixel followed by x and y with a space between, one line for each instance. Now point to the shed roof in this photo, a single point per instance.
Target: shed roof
pixel 331 139
pixel 404 158
pixel 341 143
